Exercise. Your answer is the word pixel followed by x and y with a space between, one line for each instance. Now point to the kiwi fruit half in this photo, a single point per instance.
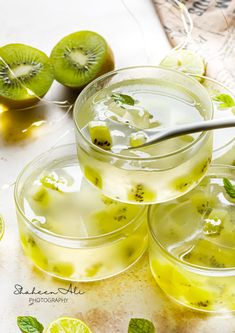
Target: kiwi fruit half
pixel 25 74
pixel 81 57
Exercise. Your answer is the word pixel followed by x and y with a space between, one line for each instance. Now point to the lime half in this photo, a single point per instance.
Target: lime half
pixel 68 325
pixel 2 228
pixel 185 61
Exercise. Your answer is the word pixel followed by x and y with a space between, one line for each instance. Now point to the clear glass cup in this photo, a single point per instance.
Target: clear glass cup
pixel 192 249
pixel 2 227
pixel 226 154
pixel 68 228
pixel 223 138
pixel 145 180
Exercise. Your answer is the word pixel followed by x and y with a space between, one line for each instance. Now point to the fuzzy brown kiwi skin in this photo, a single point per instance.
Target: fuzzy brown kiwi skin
pixel 109 64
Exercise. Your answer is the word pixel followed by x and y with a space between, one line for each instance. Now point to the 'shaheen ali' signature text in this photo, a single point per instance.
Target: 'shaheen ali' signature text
pixel 72 290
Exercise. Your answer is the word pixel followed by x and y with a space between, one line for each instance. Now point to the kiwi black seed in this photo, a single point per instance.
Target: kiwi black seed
pixel 81 57
pixel 26 73
pixel 141 193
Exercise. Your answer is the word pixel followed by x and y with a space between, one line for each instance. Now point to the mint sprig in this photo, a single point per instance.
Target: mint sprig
pixel 140 325
pixel 123 99
pixel 28 324
pixel 226 101
pixel 229 188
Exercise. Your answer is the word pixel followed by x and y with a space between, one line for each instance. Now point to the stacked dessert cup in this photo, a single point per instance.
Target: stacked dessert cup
pixel 85 211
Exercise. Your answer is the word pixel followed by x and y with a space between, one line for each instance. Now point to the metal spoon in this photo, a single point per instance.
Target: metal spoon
pixel 155 136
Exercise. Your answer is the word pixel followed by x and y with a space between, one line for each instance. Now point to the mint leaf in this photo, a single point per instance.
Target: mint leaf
pixel 140 325
pixel 226 101
pixel 229 188
pixel 29 324
pixel 123 99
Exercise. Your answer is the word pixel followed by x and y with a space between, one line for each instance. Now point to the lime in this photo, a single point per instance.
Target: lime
pixel 2 228
pixel 67 325
pixel 185 61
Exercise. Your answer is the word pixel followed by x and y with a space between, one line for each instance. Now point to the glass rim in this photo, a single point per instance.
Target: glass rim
pixel 118 155
pixel 2 231
pixel 226 145
pixel 196 268
pixel 56 237
pixel 219 149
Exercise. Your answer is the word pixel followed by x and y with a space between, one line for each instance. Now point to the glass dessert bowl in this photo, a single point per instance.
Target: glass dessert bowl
pixel 192 244
pixel 226 154
pixel 68 228
pixel 116 109
pixel 223 102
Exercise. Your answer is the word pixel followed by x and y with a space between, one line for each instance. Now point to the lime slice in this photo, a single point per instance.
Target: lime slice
pixel 67 325
pixel 185 61
pixel 2 228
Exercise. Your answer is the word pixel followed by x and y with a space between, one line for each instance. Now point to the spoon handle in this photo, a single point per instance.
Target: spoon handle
pixel 207 125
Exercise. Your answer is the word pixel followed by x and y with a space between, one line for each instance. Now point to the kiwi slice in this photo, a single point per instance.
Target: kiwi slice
pixel 141 193
pixel 107 201
pixel 33 251
pixel 202 167
pixel 112 217
pixel 208 254
pixel 203 202
pixel 93 270
pixel 25 74
pixel 199 296
pixel 182 183
pixel 137 139
pixel 53 182
pixel 40 195
pixel 93 176
pixel 163 273
pixel 81 57
pixel 100 134
pixel 132 247
pixel 63 269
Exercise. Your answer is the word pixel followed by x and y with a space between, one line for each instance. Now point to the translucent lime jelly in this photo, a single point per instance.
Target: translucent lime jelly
pixel 117 110
pixel 192 244
pixel 68 228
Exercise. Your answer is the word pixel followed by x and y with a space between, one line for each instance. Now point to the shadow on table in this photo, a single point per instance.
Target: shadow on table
pixel 24 125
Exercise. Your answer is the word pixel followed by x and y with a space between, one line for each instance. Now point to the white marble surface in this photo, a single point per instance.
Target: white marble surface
pixel 136 39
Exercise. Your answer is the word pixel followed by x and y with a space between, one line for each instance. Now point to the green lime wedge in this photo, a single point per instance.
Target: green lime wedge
pixel 185 61
pixel 66 324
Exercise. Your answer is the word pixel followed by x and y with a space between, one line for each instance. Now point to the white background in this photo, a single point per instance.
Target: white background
pixel 134 33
